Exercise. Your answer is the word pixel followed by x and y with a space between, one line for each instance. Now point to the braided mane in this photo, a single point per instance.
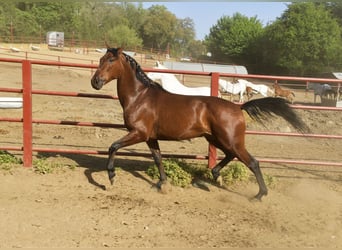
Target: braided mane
pixel 140 74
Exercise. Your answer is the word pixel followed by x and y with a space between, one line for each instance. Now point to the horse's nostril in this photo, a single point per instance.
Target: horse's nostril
pixel 96 83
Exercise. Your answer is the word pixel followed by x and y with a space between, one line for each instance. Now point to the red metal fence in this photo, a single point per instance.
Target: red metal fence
pixel 27 146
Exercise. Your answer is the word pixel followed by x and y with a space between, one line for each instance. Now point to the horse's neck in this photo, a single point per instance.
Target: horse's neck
pixel 128 87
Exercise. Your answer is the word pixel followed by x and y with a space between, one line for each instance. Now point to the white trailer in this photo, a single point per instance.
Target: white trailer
pixel 55 39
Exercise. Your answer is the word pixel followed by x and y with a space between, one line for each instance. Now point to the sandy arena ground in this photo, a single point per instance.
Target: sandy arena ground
pixel 71 208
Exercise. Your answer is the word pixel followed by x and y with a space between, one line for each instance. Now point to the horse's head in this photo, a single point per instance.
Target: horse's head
pixel 110 68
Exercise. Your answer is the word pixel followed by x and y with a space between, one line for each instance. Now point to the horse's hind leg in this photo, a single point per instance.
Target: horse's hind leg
pixel 253 165
pixel 216 170
pixel 155 150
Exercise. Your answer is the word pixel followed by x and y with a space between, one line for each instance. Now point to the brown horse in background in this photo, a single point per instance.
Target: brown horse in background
pixel 249 92
pixel 288 94
pixel 152 113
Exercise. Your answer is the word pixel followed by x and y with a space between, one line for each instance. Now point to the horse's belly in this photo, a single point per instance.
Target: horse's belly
pixel 179 134
pixel 180 130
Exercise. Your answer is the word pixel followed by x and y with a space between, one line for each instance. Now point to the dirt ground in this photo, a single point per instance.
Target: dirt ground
pixel 76 206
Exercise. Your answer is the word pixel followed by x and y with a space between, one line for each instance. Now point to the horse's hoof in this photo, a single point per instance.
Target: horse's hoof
pixel 258 196
pixel 164 187
pixel 219 181
pixel 255 199
pixel 111 181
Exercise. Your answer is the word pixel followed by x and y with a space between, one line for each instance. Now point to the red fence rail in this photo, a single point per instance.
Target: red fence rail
pixel 27 120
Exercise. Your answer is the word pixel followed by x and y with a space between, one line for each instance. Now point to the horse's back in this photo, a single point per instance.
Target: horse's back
pixel 261 88
pixel 205 106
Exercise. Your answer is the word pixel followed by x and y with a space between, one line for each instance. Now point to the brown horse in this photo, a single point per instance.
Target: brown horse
pixel 288 94
pixel 249 93
pixel 151 114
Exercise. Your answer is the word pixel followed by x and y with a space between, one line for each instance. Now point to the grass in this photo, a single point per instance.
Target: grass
pixel 40 165
pixel 270 181
pixel 8 161
pixel 6 157
pixel 43 165
pixel 174 170
pixel 181 173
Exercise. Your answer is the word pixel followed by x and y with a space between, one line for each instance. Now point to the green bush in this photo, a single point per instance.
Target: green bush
pixel 174 172
pixel 41 166
pixel 44 166
pixel 181 173
pixel 6 157
pixel 270 181
pixel 235 172
pixel 8 161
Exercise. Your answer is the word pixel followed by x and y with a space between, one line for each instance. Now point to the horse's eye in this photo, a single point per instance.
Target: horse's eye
pixel 111 59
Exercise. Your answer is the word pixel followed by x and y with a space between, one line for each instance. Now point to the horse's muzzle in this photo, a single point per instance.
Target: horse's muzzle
pixel 97 83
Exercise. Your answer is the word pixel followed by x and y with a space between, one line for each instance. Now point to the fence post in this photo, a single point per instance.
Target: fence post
pixel 27 113
pixel 306 88
pixel 214 92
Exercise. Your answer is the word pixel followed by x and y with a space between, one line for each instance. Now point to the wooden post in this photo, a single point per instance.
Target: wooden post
pixel 212 154
pixel 27 113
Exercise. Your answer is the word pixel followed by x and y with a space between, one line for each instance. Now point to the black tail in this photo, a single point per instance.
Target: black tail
pixel 261 109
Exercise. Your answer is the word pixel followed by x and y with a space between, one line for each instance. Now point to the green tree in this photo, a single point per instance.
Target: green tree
pixel 25 24
pixel 304 41
pixel 123 36
pixel 4 27
pixel 135 14
pixel 98 20
pixel 231 38
pixel 95 22
pixel 185 31
pixel 7 20
pixel 184 37
pixel 336 10
pixel 197 50
pixel 91 21
pixel 58 15
pixel 159 27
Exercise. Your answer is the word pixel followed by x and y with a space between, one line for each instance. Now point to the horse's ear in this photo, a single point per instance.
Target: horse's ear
pixel 107 45
pixel 120 50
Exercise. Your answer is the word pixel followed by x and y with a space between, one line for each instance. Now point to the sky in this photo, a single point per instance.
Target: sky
pixel 206 14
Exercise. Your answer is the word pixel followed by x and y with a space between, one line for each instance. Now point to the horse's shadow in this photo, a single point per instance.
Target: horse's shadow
pixel 94 164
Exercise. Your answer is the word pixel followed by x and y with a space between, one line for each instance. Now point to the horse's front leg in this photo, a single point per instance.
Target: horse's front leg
pixel 110 163
pixel 241 96
pixel 131 138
